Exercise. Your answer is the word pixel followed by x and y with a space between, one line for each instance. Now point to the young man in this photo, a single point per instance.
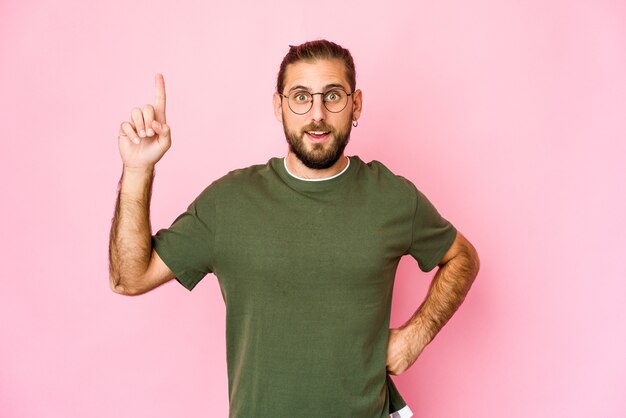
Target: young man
pixel 305 249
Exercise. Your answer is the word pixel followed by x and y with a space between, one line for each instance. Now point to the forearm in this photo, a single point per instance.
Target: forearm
pixel 447 291
pixel 130 244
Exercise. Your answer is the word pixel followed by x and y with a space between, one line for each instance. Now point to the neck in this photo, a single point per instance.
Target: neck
pixel 296 167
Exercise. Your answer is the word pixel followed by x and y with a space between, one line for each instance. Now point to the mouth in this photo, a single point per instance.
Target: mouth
pixel 317 136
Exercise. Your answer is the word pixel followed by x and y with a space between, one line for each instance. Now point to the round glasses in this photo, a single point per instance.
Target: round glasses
pixel 301 101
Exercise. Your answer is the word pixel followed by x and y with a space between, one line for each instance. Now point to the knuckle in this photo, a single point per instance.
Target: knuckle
pixel 148 109
pixel 129 129
pixel 137 116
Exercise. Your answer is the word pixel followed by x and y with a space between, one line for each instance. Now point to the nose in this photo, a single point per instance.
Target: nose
pixel 318 111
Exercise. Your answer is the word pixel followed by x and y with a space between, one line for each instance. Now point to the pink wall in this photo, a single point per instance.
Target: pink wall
pixel 509 115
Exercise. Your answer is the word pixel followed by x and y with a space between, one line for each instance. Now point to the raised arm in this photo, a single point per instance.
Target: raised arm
pixel 457 270
pixel 135 267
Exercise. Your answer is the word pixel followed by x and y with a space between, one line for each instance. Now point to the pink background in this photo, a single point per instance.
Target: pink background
pixel 509 115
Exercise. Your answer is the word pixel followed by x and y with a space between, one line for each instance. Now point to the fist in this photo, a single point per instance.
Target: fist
pixel 403 349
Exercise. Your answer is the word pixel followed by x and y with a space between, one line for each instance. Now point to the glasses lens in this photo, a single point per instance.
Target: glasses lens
pixel 335 100
pixel 300 102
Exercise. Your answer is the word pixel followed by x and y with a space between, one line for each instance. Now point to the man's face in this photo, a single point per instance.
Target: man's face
pixel 318 137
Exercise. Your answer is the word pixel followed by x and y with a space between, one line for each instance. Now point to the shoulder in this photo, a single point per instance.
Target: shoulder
pixel 240 179
pixel 246 175
pixel 380 176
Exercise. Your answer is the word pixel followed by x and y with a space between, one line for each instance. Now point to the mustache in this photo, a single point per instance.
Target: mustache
pixel 322 126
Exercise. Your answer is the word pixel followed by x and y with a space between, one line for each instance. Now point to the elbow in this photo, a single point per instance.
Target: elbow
pixel 122 288
pixel 470 260
pixel 115 283
pixel 475 260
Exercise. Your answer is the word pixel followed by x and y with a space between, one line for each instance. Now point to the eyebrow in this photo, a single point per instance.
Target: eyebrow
pixel 326 87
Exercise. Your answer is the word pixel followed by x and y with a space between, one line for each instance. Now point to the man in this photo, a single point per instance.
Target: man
pixel 305 249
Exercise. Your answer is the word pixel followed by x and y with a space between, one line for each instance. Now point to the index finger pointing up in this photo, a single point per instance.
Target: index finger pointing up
pixel 159 105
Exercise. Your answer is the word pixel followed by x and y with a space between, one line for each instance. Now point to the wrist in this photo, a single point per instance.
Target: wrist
pixel 138 170
pixel 417 333
pixel 137 181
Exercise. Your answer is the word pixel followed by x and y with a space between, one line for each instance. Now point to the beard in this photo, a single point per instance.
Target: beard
pixel 320 156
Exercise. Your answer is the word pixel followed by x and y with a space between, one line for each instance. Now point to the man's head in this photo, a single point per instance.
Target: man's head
pixel 316 101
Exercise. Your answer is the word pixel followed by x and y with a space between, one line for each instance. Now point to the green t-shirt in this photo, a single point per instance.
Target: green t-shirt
pixel 306 269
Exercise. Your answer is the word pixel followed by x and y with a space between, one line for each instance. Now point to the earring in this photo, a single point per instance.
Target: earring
pixel 355 123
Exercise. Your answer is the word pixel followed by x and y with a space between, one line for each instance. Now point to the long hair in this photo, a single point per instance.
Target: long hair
pixel 313 51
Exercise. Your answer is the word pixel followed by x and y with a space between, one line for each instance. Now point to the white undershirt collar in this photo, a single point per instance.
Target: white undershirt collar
pixel 324 179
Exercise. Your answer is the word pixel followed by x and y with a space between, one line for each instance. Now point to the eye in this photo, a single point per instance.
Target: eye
pixel 333 96
pixel 301 97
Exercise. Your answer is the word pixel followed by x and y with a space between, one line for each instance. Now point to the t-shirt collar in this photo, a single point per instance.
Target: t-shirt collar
pixel 323 179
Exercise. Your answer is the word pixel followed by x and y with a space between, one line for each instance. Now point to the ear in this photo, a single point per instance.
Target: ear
pixel 357 104
pixel 278 107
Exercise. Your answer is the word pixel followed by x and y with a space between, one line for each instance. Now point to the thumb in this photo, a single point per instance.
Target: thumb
pixel 164 139
pixel 163 130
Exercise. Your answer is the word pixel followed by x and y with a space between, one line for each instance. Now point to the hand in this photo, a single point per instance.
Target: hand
pixel 144 140
pixel 403 348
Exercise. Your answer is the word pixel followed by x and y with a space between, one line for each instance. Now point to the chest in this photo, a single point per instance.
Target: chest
pixel 342 242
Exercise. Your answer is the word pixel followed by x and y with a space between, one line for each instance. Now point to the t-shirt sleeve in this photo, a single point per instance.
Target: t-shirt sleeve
pixel 186 246
pixel 432 234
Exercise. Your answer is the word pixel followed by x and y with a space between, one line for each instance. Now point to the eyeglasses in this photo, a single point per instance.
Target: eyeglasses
pixel 301 101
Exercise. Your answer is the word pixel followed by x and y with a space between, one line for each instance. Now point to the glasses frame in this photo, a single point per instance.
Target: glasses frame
pixel 323 102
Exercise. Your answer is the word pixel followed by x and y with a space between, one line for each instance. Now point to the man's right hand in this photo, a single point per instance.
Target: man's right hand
pixel 135 267
pixel 146 137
